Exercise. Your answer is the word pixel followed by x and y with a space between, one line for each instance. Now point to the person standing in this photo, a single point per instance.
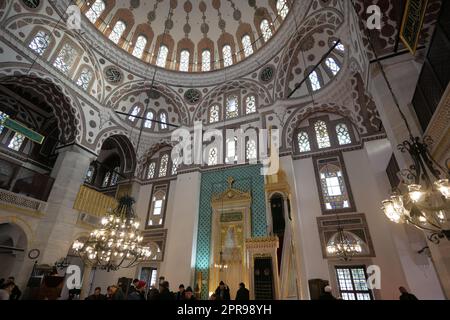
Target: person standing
pixel 189 294
pixel 405 295
pixel 164 292
pixel 16 293
pixel 97 295
pixel 223 292
pixel 5 292
pixel 181 293
pixel 242 294
pixel 327 295
pixel 139 292
pixel 116 293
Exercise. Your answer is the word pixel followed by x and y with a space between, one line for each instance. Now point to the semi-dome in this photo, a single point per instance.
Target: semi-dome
pixel 188 36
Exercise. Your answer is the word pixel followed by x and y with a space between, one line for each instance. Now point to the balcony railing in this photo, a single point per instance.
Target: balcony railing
pixel 23 181
pixel 16 201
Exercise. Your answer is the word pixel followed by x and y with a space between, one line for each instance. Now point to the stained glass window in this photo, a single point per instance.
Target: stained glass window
pixel 40 42
pixel 250 105
pixel 117 32
pixel 266 30
pixel 334 190
pixel 251 151
pixel 163 120
pixel 184 61
pixel 332 65
pixel 95 10
pixel 106 179
pixel 16 142
pixel 84 79
pixel 343 134
pixel 247 45
pixel 115 176
pixel 66 58
pixel 90 174
pixel 232 107
pixel 2 117
pixel 157 208
pixel 139 47
pixel 323 139
pixel 314 80
pixel 151 170
pixel 227 56
pixel 353 283
pixel 206 60
pixel 163 166
pixel 134 113
pixel 282 8
pixel 303 142
pixel 212 158
pixel 149 123
pixel 162 56
pixel 214 114
pixel 339 47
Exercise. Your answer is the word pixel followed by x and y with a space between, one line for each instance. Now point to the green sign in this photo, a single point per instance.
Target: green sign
pixel 412 23
pixel 23 130
pixel 231 217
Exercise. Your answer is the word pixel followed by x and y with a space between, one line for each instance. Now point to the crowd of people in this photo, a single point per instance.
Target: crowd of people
pixel 9 290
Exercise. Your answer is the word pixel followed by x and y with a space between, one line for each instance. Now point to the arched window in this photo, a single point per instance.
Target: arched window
pixel 343 134
pixel 66 58
pixel 214 114
pixel 3 116
pixel 227 56
pixel 90 174
pixel 106 179
pixel 232 150
pixel 332 65
pixel 134 113
pixel 303 142
pixel 163 121
pixel 40 42
pixel 282 8
pixel 156 213
pixel 212 157
pixel 85 78
pixel 232 107
pixel 339 47
pixel 251 150
pixel 334 190
pixel 117 32
pixel 16 142
pixel 115 176
pixel 250 104
pixel 206 60
pixel 175 165
pixel 266 30
pixel 323 139
pixel 149 122
pixel 163 166
pixel 184 61
pixel 162 56
pixel 314 80
pixel 151 170
pixel 247 45
pixel 95 10
pixel 139 47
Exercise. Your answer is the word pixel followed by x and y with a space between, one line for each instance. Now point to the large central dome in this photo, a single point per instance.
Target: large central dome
pixel 188 36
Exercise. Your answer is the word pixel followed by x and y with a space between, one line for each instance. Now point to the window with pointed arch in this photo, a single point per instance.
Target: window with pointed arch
pixel 232 155
pixel 332 65
pixel 157 207
pixel 232 110
pixel 117 31
pixel 151 170
pixel 3 116
pixel 85 78
pixel 227 56
pixel 136 110
pixel 206 60
pixel 212 157
pixel 66 58
pixel 322 136
pixel 303 142
pixel 251 150
pixel 90 174
pixel 161 59
pixel 214 114
pixel 247 45
pixel 95 10
pixel 282 8
pixel 184 60
pixel 163 166
pixel 163 121
pixel 266 30
pixel 115 176
pixel 139 47
pixel 314 81
pixel 343 134
pixel 16 142
pixel 40 42
pixel 250 104
pixel 149 121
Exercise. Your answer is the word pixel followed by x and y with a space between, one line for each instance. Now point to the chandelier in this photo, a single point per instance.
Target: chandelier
pixel 422 200
pixel 344 246
pixel 221 266
pixel 117 243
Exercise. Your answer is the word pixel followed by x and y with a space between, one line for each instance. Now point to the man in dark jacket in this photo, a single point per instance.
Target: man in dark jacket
pixel 189 294
pixel 223 292
pixel 242 294
pixel 97 295
pixel 133 286
pixel 164 292
pixel 327 295
pixel 117 293
pixel 181 293
pixel 406 295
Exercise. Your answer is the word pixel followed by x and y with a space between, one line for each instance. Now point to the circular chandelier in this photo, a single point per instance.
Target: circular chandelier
pixel 343 246
pixel 422 200
pixel 117 243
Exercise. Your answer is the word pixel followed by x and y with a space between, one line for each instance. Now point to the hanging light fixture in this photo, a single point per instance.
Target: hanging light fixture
pixel 344 246
pixel 117 243
pixel 221 266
